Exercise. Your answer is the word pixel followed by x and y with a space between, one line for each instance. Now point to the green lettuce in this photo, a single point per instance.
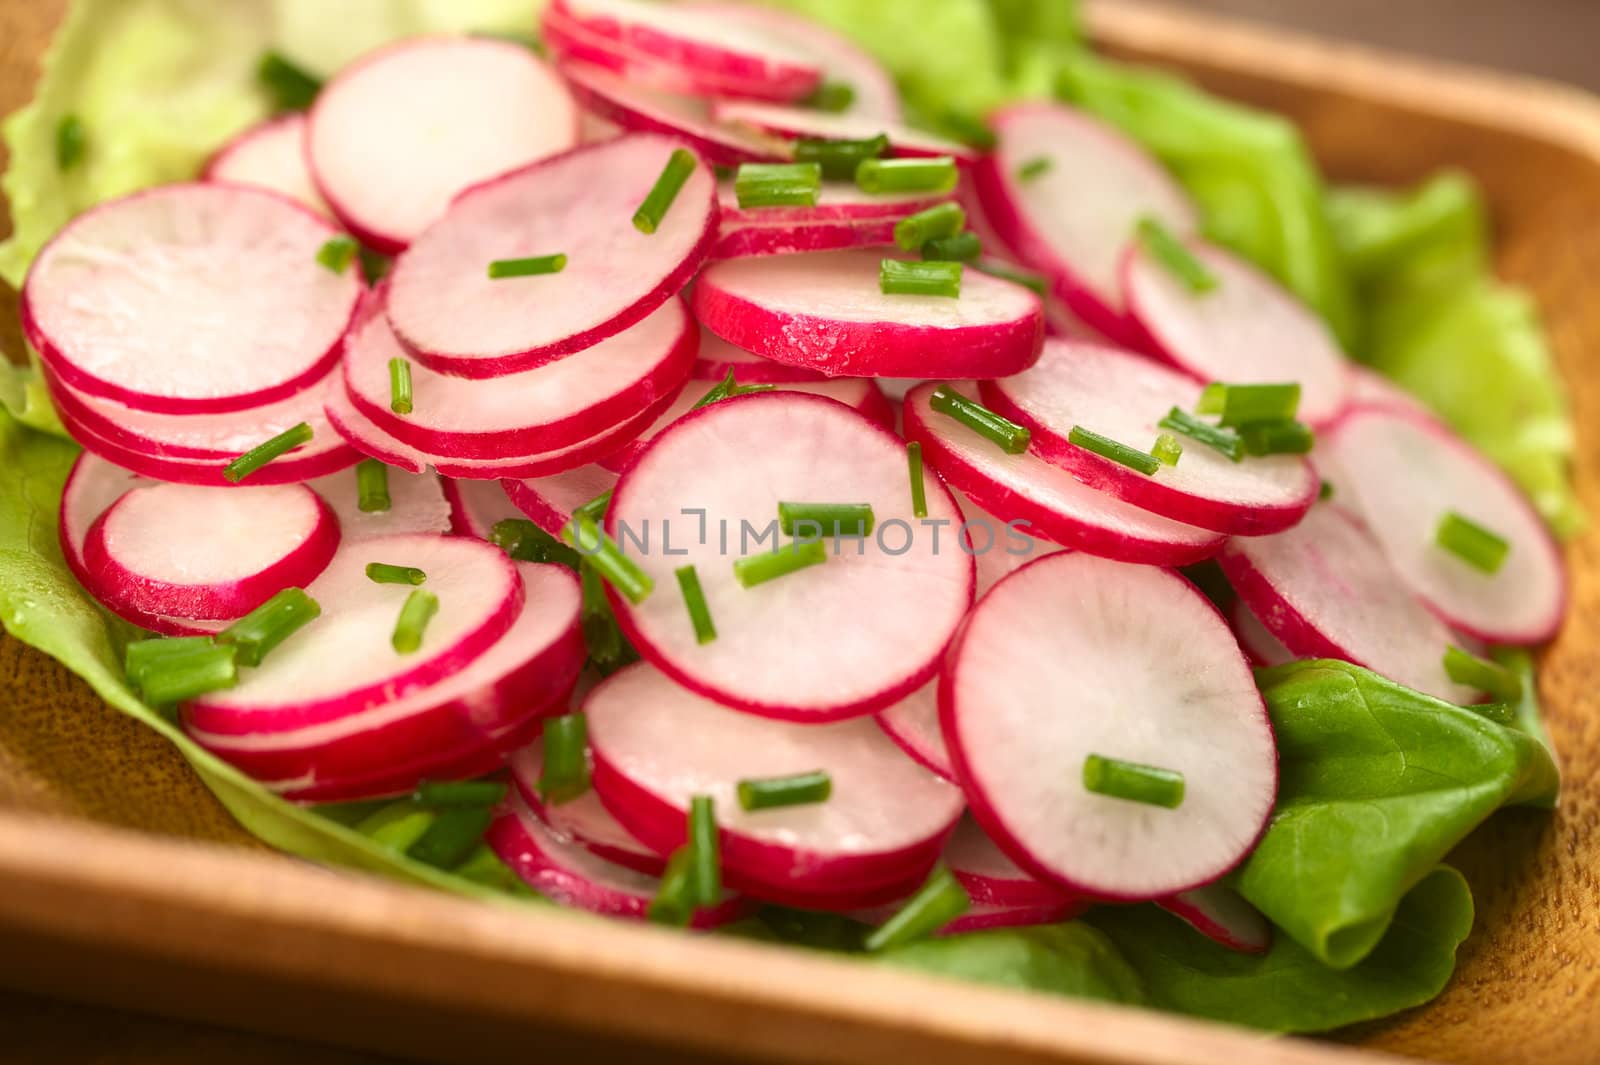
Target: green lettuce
pixel 1067 959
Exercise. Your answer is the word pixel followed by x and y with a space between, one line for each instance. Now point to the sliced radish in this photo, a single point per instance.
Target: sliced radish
pixel 1369 388
pixel 991 878
pixel 584 820
pixel 1123 396
pixel 208 553
pixel 417 504
pixel 1076 218
pixel 388 139
pixel 718 358
pixel 1255 639
pixel 343 662
pixel 1043 500
pixel 549 501
pixel 1001 561
pixel 1221 914
pixel 544 409
pixel 189 299
pixel 913 723
pixel 477 506
pixel 1248 329
pixel 1074 655
pixel 657 745
pixel 837 201
pixel 568 873
pixel 751 240
pixel 646 109
pixel 271 155
pixel 445 307
pixel 892 599
pixel 1325 589
pixel 1402 474
pixel 803 123
pixel 825 311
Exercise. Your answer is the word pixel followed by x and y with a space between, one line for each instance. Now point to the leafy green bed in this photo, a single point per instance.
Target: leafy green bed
pixel 1368 768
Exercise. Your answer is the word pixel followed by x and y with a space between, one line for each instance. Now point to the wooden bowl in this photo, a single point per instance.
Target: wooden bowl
pixel 188 916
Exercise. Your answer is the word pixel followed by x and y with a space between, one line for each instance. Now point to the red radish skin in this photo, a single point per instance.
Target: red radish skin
pixel 892 605
pixel 1123 396
pixel 1075 220
pixel 992 879
pixel 1221 914
pixel 417 504
pixel 342 662
pixel 271 155
pixel 208 553
pixel 386 139
pixel 718 358
pixel 1046 500
pixel 477 506
pixel 1401 473
pixel 584 819
pixel 913 724
pixel 445 308
pixel 1325 590
pixel 1247 330
pixel 189 299
pixel 1043 674
pixel 824 311
pixel 806 123
pixel 1255 640
pixel 548 502
pixel 837 201
pixel 657 745
pixel 754 240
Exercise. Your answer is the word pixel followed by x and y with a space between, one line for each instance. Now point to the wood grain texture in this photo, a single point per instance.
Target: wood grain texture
pixel 214 921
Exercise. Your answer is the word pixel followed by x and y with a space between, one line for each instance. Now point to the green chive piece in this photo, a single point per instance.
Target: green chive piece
pixel 337 253
pixel 1242 405
pixel 263 453
pixel 938 902
pixel 705 851
pixel 1168 449
pixel 675 898
pixel 1225 441
pixel 967 129
pixel 454 833
pixel 1012 438
pixel 1277 438
pixel 879 176
pixel 192 673
pixel 602 553
pixel 372 486
pixel 1325 491
pixel 961 248
pixel 839 159
pixel 779 562
pixel 1470 542
pixel 1036 283
pixel 1499 713
pixel 778 184
pixel 897 277
pixel 1175 256
pixel 767 793
pixel 1212 399
pixel 526 542
pixel 658 201
pixel 1132 781
pixel 419 609
pixel 832 96
pixel 694 599
pixel 825 519
pixel 529 267
pixel 595 509
pixel 1038 166
pixel 72 140
pixel 608 649
pixel 933 223
pixel 268 625
pixel 460 792
pixel 1465 668
pixel 564 774
pixel 727 388
pixel 374 265
pixel 398 825
pixel 1114 450
pixel 919 488
pixel 292 88
pixel 384 573
pixel 141 655
pixel 399 385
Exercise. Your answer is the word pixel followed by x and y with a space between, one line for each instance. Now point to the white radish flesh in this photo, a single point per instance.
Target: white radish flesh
pixel 802 123
pixel 1255 639
pixel 1221 914
pixel 477 506
pixel 417 504
pixel 271 155
pixel 583 819
pixel 836 201
pixel 754 239
pixel 992 879
pixel 548 502
pixel 913 723
pixel 1369 388
pixel 1072 656
pixel 718 358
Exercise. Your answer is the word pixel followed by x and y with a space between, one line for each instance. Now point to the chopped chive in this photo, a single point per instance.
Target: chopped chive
pixel 1471 543
pixel 1012 438
pixel 142 656
pixel 1148 784
pixel 766 793
pixel 531 266
pixel 454 833
pixel 337 253
pixel 1114 450
pixel 187 675
pixel 1212 398
pixel 919 489
pixel 833 96
pixel 1277 438
pixel 268 625
pixel 961 248
pixel 608 649
pixel 460 792
pixel 1499 713
pixel 1500 682
pixel 292 88
pixel 932 223
pixel 1038 166
pixel 1167 449
pixel 658 201
pixel 705 851
pixel 878 176
pixel 564 773
pixel 397 825
pixel 372 486
pixel 1175 256
pixel 829 519
pixel 897 277
pixel 399 385
pixel 263 453
pixel 374 265
pixel 419 609
pixel 1325 491
pixel 1242 405
pixel 603 554
pixel 967 129
pixel 938 902
pixel 526 542
pixel 778 184
pixel 384 573
pixel 694 599
pixel 779 562
pixel 71 142
pixel 675 897
pixel 839 159
pixel 1035 283
pixel 1225 441
pixel 595 509
pixel 727 388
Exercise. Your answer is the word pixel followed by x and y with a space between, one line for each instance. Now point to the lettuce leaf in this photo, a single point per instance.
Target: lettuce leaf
pixel 1072 959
